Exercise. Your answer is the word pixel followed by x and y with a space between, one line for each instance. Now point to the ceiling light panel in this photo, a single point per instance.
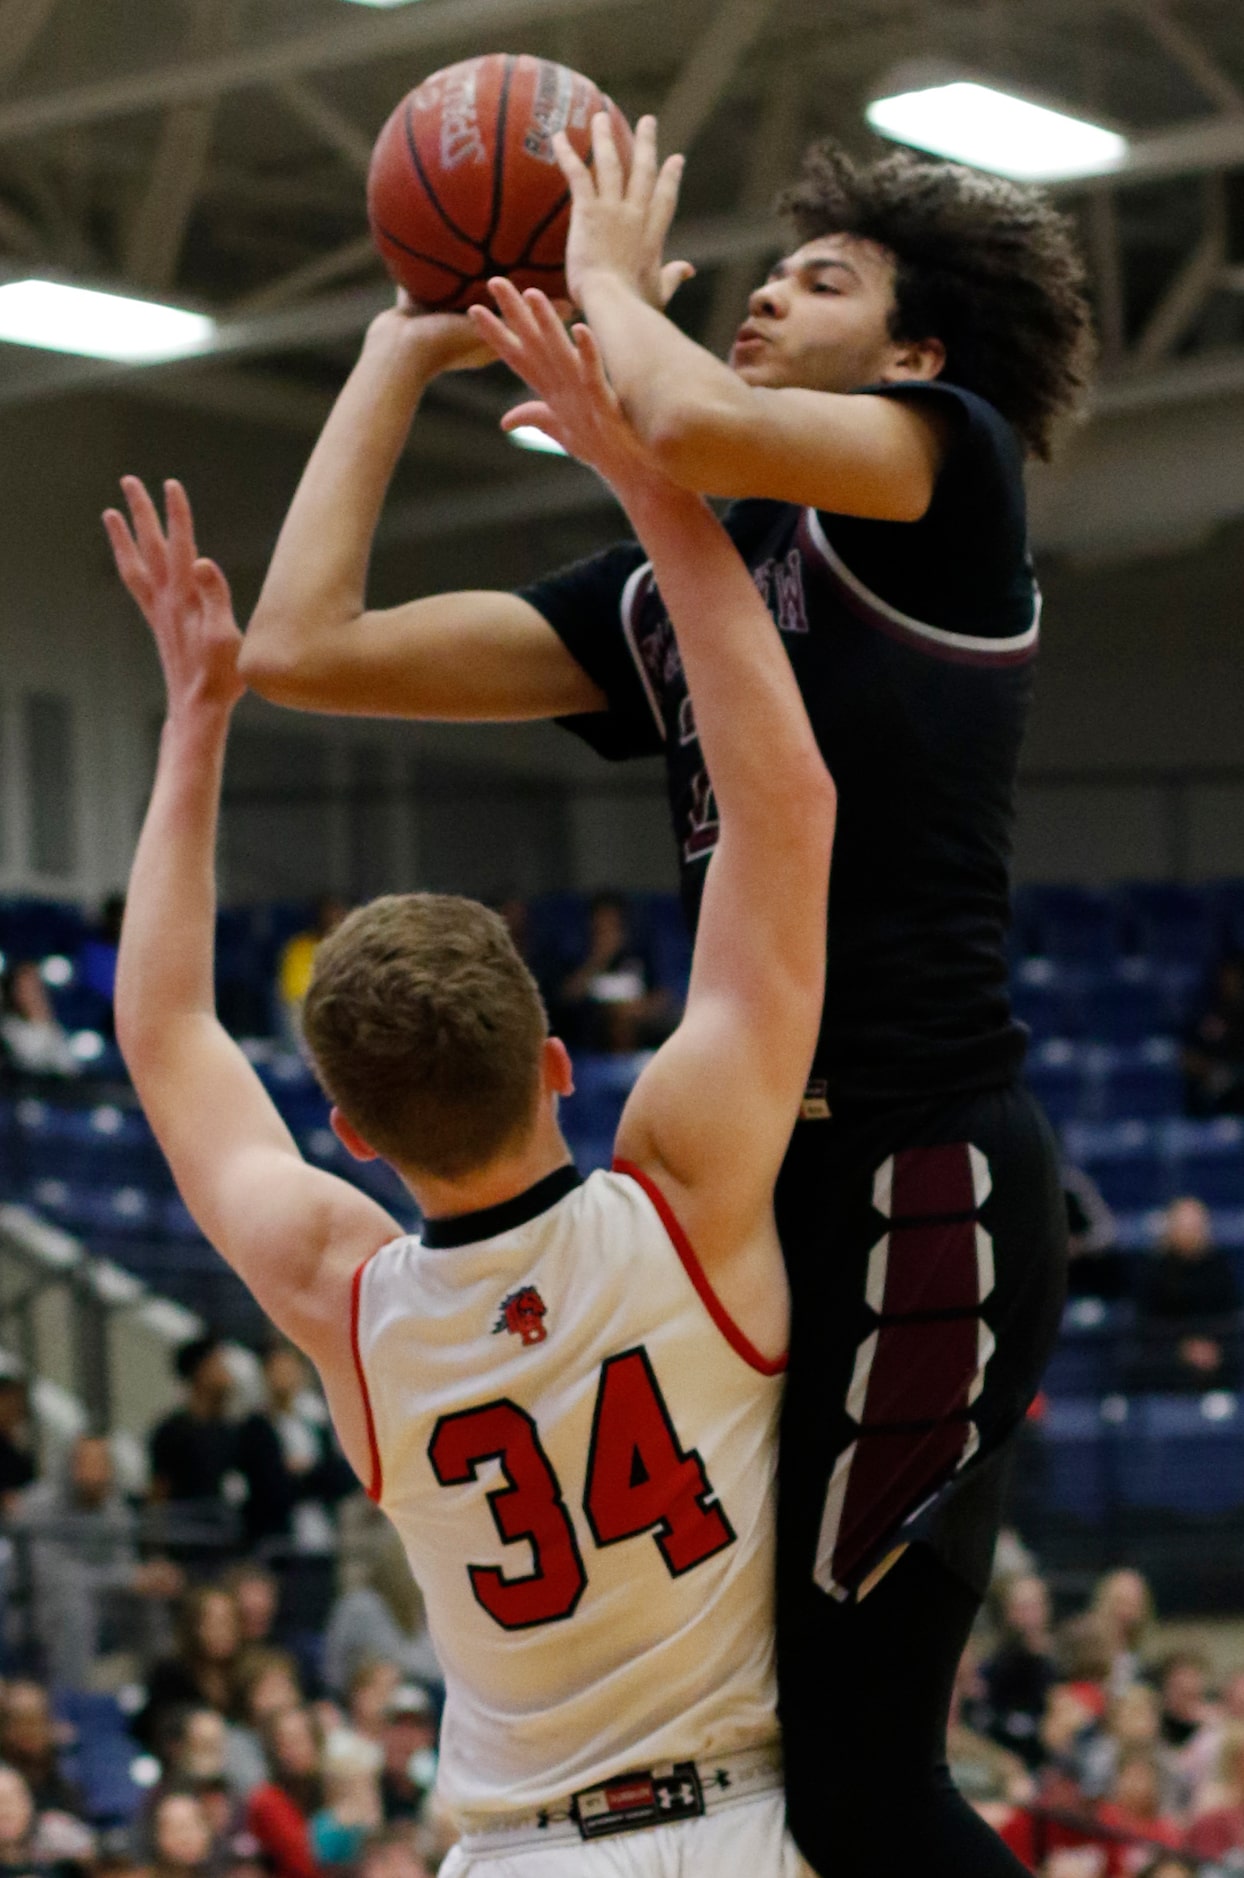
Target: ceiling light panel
pixel 992 130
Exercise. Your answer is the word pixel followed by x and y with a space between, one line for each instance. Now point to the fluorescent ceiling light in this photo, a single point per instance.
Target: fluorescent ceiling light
pixel 992 130
pixel 381 3
pixel 527 437
pixel 98 325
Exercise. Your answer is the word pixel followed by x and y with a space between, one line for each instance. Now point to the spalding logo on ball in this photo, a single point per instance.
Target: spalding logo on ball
pixel 464 183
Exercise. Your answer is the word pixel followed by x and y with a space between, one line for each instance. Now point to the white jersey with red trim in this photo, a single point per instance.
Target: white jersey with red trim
pixel 577 1447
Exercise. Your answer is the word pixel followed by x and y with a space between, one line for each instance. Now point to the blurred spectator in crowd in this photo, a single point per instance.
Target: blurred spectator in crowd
pixel 391 1855
pixel 1021 1672
pixel 379 1616
pixel 279 1813
pixel 293 972
pixel 1187 1309
pixel 257 1595
pixel 267 1683
pixel 33 1039
pixel 1133 1721
pixel 191 1743
pixel 29 1743
pixel 293 1469
pixel 1124 1604
pixel 1095 1269
pixel 1214 1047
pixel 981 1769
pixel 1202 1757
pixel 408 1740
pixel 54 1843
pixel 367 1701
pixel 194 1448
pixel 1217 1828
pixel 17 1467
pixel 180 1835
pixel 1170 1865
pixel 1084 1653
pixel 611 1001
pixel 1134 1806
pixel 1183 1697
pixel 351 1811
pixel 203 1670
pixel 91 1593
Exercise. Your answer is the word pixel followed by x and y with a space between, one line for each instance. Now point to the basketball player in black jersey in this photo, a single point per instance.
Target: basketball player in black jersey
pixel 928 331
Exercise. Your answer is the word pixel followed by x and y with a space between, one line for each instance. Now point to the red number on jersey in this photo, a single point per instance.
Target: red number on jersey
pixel 530 1507
pixel 640 1480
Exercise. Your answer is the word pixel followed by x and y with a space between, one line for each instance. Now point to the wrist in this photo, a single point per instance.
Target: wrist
pixel 394 346
pixel 606 280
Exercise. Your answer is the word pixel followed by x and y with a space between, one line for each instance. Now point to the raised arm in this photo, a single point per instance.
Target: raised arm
pixel 708 429
pixel 313 641
pixel 711 1115
pixel 294 1234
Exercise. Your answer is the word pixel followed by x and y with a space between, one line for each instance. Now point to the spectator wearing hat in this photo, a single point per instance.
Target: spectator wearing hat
pixel 409 1746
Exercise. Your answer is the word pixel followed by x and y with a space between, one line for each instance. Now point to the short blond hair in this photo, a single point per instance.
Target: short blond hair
pixel 426 1028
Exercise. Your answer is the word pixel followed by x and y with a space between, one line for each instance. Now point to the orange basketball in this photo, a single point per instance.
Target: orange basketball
pixel 464 183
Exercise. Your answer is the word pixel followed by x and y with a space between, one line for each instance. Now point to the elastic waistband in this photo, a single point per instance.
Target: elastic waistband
pixel 634 1802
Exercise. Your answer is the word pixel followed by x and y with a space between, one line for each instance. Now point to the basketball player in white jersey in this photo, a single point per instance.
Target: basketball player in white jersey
pixel 563 1393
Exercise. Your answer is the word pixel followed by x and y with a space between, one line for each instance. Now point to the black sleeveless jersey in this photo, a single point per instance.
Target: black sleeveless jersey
pixel 913 644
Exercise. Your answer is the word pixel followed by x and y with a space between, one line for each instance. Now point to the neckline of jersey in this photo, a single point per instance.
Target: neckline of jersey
pixel 489 1221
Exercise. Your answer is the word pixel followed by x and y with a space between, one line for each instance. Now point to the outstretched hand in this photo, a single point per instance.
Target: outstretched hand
pixel 577 406
pixel 183 597
pixel 618 224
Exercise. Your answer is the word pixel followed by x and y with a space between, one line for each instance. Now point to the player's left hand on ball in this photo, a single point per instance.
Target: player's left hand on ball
pixel 577 406
pixel 184 598
pixel 619 225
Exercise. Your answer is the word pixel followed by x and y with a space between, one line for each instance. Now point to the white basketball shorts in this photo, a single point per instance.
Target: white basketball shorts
pixel 744 1840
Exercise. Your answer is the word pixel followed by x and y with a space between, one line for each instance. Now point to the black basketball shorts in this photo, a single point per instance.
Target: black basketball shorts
pixel 926 1247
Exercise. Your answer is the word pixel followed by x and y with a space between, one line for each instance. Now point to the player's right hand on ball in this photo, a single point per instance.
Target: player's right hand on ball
pixel 442 342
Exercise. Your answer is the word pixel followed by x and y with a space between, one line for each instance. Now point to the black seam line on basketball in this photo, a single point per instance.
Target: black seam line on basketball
pixel 433 198
pixel 541 228
pixel 416 254
pixel 498 158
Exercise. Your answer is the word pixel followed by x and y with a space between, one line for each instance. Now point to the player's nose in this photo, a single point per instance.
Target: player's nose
pixel 767 301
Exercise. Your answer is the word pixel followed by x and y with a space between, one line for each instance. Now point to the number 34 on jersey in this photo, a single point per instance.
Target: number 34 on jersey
pixel 639 1479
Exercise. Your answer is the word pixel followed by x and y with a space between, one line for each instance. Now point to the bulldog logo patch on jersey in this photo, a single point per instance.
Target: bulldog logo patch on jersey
pixel 523 1314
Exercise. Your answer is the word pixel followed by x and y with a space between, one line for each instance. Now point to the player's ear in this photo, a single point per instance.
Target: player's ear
pixel 349 1137
pixel 915 359
pixel 556 1069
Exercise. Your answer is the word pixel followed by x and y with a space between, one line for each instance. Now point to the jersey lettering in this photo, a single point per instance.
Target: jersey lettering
pixel 529 1507
pixel 638 1477
pixel 703 824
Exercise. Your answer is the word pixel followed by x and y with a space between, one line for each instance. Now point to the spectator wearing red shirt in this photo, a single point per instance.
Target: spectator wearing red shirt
pixel 1135 1808
pixel 1219 1828
pixel 279 1813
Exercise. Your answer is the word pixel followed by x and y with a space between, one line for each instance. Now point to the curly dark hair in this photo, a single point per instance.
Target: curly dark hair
pixel 989 267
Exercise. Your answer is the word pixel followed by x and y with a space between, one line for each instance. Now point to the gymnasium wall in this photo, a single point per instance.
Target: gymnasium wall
pixel 1135 764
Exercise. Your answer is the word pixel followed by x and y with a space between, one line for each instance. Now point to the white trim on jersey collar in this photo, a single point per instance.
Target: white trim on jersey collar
pixel 935 635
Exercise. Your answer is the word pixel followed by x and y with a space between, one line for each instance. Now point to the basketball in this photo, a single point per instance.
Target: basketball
pixel 464 183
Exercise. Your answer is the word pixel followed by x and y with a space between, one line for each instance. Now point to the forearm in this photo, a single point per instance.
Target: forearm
pixel 165 965
pixel 318 575
pixel 659 374
pixel 737 669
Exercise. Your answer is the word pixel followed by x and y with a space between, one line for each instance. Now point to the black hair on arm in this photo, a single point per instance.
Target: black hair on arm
pixel 989 267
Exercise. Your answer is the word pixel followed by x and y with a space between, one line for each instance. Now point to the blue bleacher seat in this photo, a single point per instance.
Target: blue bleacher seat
pixel 1059 1075
pixel 1166 920
pixel 1077 1445
pixel 1126 1159
pixel 1126 1003
pixel 1208 1157
pixel 1075 924
pixel 1048 996
pixel 1138 1080
pixel 1183 1454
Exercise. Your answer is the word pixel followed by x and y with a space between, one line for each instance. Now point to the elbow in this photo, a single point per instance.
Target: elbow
pixel 687 439
pixel 818 798
pixel 278 663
